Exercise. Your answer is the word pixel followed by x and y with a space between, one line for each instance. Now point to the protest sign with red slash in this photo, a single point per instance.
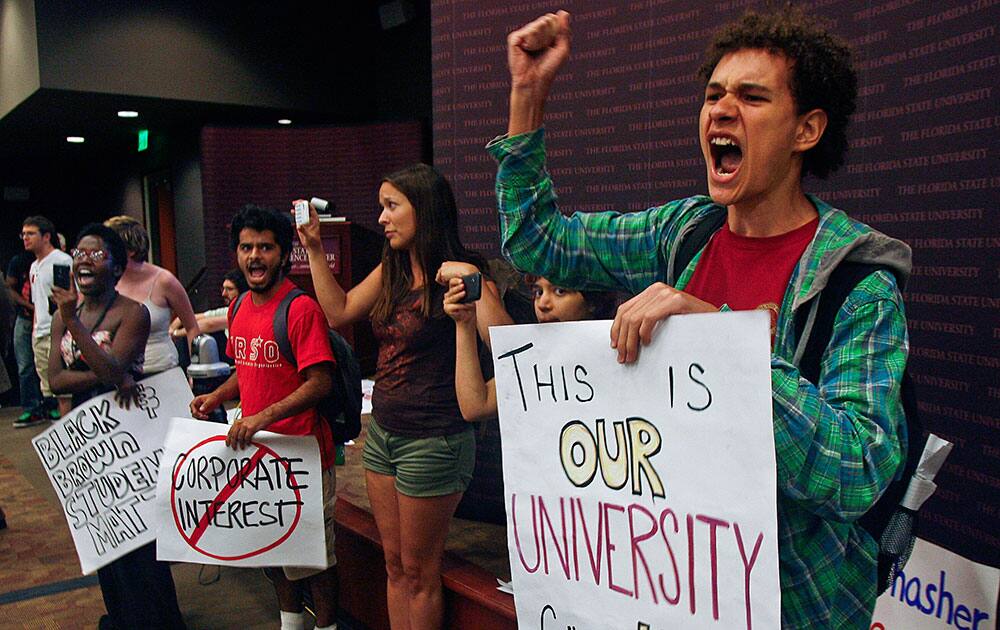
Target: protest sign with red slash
pixel 257 507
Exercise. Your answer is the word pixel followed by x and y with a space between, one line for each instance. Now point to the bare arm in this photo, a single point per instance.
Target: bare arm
pixel 340 307
pixel 205 404
pixel 61 380
pixel 180 304
pixel 477 399
pixel 490 311
pixel 318 382
pixel 110 368
pixel 213 324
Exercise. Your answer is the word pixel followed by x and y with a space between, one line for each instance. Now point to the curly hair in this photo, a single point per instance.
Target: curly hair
pixel 260 219
pixel 822 74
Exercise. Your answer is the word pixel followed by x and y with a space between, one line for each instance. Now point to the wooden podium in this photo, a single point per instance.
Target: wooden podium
pixel 351 253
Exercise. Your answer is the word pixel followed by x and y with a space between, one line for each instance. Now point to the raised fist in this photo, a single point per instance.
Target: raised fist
pixel 537 50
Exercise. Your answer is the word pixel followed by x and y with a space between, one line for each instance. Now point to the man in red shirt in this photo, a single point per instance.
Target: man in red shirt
pixel 275 394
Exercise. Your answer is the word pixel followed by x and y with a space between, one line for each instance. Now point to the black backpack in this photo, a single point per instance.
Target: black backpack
pixel 342 408
pixel 842 281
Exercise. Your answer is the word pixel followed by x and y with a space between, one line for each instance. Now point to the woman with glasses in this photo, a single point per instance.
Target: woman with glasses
pixel 159 290
pixel 97 347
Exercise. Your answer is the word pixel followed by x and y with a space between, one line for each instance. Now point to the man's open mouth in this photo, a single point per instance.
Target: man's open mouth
pixel 726 154
pixel 257 272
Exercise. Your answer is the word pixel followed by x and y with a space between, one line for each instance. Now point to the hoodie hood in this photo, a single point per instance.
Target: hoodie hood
pixel 840 238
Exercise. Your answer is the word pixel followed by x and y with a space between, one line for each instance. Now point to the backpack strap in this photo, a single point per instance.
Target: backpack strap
pixel 236 307
pixel 693 241
pixel 845 277
pixel 281 326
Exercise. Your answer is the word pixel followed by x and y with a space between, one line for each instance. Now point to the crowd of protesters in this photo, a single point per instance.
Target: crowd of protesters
pixel 778 93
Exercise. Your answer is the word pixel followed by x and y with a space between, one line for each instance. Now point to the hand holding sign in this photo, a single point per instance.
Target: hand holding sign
pixel 644 493
pixel 637 318
pixel 103 458
pixel 243 429
pixel 128 392
pixel 262 506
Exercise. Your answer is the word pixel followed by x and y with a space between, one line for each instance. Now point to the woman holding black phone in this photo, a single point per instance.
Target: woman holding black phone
pixel 97 347
pixel 419 453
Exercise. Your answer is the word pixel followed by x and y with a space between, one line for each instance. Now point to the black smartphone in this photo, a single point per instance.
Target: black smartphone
pixel 60 276
pixel 473 287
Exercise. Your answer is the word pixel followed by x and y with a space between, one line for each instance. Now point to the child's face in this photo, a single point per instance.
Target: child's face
pixel 556 304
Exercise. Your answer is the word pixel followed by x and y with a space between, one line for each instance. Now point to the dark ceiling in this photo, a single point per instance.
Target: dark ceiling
pixel 37 129
pixel 341 49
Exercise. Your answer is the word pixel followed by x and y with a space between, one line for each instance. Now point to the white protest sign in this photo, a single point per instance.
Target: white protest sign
pixel 939 589
pixel 103 460
pixel 256 507
pixel 640 496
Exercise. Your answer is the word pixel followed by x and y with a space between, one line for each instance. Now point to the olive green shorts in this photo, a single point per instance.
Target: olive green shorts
pixel 423 467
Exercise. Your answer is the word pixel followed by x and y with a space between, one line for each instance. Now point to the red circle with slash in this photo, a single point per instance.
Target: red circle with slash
pixel 224 495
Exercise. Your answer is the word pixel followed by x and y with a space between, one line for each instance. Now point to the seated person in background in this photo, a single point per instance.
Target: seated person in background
pixel 477 397
pixel 215 319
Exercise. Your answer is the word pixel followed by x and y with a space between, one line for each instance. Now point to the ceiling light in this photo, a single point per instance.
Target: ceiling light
pixel 285 121
pixel 74 139
pixel 127 113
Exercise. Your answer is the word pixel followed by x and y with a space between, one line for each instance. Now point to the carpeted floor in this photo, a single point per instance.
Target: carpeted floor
pixel 40 581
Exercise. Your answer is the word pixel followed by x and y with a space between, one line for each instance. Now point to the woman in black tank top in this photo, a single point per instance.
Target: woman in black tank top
pixel 421 466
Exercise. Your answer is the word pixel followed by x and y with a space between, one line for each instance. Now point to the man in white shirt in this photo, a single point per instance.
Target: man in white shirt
pixel 37 234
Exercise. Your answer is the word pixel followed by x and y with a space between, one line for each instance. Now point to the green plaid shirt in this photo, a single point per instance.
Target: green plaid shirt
pixel 837 445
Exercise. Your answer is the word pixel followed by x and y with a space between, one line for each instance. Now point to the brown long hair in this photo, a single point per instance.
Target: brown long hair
pixel 436 240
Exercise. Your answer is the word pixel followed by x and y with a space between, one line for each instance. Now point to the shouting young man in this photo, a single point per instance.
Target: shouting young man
pixel 275 394
pixel 778 94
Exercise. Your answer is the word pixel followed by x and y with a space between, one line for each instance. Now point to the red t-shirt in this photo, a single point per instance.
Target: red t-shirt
pixel 749 273
pixel 265 377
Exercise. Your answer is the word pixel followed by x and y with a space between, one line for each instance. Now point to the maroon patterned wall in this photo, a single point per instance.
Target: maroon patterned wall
pixel 270 167
pixel 622 134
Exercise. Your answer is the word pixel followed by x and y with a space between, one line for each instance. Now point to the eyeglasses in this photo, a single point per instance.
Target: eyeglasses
pixel 95 256
pixel 27 234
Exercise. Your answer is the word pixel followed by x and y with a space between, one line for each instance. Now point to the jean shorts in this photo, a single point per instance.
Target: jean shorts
pixel 423 467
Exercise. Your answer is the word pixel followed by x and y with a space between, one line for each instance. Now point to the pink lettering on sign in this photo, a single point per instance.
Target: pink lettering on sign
pixel 563 529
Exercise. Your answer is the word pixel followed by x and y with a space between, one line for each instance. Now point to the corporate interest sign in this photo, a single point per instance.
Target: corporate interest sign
pixel 640 496
pixel 257 507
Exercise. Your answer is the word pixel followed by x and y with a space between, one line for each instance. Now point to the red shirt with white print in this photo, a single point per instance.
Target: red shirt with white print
pixel 747 273
pixel 265 377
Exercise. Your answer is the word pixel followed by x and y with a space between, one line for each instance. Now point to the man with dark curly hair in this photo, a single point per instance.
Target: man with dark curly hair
pixel 280 393
pixel 779 91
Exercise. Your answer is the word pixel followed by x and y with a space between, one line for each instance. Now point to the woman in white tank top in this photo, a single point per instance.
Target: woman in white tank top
pixel 159 290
